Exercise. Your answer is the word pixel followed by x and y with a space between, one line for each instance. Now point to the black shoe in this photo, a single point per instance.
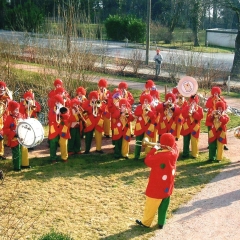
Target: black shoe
pixel 160 226
pixel 207 147
pixel 86 152
pixel 140 223
pixel 17 170
pixel 107 136
pixel 184 157
pixel 25 167
pixel 30 149
pixel 99 151
pixel 225 147
pixel 217 161
pixel 3 157
pixel 210 161
pixel 126 157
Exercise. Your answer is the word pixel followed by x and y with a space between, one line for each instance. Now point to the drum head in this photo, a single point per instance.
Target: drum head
pixel 187 86
pixel 30 133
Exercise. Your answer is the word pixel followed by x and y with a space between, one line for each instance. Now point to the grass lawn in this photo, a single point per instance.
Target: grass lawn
pixel 90 197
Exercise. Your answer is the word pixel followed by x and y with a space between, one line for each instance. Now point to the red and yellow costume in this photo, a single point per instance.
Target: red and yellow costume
pixel 161 180
pixel 121 134
pixel 168 115
pixel 192 115
pixel 58 118
pixel 217 131
pixel 75 123
pixel 19 153
pixel 103 95
pixel 181 103
pixel 145 119
pixel 155 101
pixel 93 110
pixel 4 100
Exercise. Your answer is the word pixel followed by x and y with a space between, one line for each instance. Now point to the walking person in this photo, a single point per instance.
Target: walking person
pixel 158 61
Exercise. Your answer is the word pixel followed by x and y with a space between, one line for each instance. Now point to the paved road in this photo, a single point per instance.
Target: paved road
pixel 121 49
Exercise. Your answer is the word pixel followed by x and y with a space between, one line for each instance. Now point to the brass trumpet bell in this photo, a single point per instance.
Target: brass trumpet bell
pixel 146 142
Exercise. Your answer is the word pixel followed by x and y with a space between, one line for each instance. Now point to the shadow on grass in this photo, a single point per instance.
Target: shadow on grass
pixel 132 232
pixel 81 166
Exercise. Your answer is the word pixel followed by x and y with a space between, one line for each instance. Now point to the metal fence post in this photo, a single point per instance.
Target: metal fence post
pixel 228 85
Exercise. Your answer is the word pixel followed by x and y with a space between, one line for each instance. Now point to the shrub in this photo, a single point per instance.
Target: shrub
pixel 55 236
pixel 118 28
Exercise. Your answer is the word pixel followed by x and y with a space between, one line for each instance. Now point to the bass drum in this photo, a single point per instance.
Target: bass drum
pixel 187 86
pixel 30 132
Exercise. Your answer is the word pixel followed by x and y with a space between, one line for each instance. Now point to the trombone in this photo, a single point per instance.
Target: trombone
pixel 146 142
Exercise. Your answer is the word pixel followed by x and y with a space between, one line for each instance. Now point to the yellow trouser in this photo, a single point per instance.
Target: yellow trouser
pixel 63 142
pixel 151 207
pixel 194 146
pixel 25 159
pixel 125 148
pixel 220 147
pixel 148 148
pixel 98 139
pixel 1 147
pixel 179 127
pixel 106 125
pixel 155 137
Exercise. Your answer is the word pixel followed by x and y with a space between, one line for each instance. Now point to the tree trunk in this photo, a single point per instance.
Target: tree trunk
pixel 236 61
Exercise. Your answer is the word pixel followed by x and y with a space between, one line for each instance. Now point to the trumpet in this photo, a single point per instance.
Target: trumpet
pixel 146 142
pixel 147 107
pixel 192 108
pixel 80 112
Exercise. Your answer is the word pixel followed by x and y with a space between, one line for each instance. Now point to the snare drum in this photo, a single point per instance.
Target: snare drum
pixel 30 132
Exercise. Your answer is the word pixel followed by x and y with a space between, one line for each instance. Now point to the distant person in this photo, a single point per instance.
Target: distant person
pixel 161 180
pixel 158 61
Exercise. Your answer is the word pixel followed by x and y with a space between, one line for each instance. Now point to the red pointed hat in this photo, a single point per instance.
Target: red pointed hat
pixel 221 104
pixel 148 97
pixel 167 139
pixel 2 85
pixel 123 85
pixel 170 95
pixel 81 90
pixel 58 82
pixel 93 94
pixel 102 83
pixel 58 98
pixel 216 90
pixel 28 94
pixel 12 105
pixel 175 91
pixel 149 83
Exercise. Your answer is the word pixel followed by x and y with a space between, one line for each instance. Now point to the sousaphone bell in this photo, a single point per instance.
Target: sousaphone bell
pixel 187 86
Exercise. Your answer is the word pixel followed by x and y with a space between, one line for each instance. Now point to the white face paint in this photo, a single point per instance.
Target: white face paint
pixel 58 86
pixel 123 108
pixel 59 105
